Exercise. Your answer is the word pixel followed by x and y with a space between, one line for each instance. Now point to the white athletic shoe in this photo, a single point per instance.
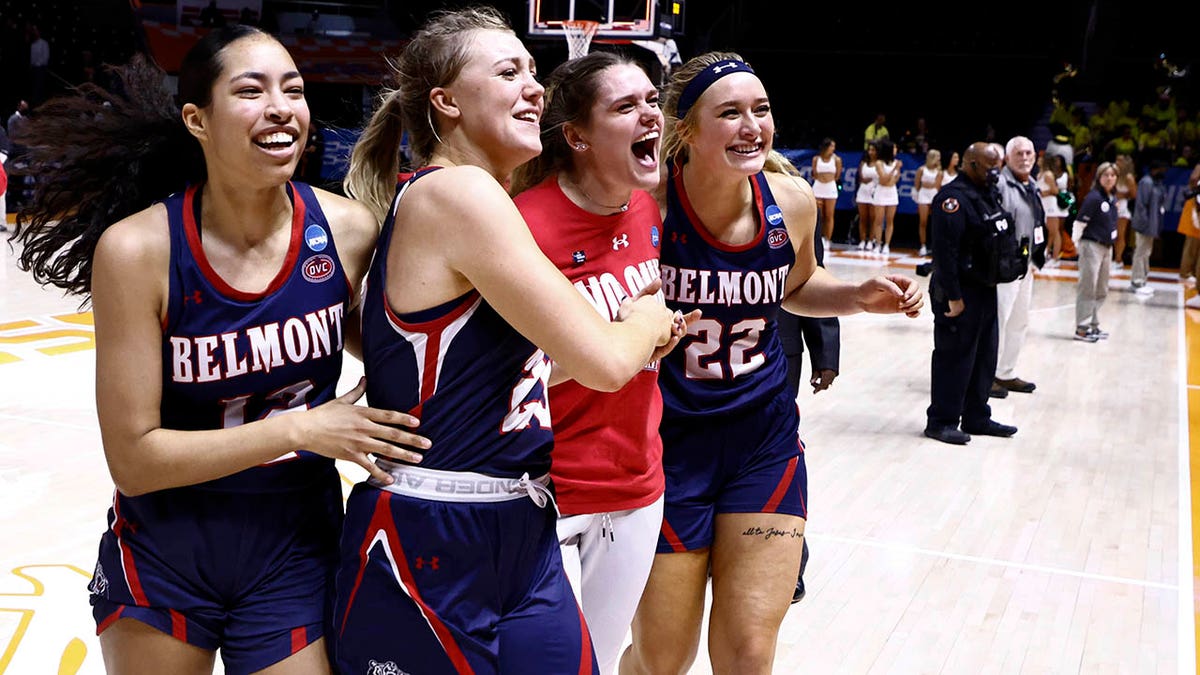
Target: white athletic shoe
pixel 1144 291
pixel 862 245
pixel 923 252
pixel 887 249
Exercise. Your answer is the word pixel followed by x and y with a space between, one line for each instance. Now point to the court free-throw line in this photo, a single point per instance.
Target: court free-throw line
pixel 1044 569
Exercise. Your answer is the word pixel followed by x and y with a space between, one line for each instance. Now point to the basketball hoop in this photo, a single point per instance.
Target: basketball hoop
pixel 579 34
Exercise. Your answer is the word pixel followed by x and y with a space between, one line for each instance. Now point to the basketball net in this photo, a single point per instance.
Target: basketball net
pixel 579 34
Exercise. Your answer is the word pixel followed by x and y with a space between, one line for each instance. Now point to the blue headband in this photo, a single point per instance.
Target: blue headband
pixel 705 79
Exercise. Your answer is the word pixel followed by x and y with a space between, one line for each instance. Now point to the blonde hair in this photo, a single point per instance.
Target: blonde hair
pixel 933 157
pixel 677 131
pixel 1104 166
pixel 433 58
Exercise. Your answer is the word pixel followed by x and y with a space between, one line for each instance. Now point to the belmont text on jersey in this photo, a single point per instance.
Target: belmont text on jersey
pixel 724 287
pixel 208 358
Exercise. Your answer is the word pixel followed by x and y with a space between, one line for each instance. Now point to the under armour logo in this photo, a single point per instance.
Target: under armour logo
pixel 724 66
pixel 676 237
pixel 620 241
pixel 433 563
pixel 194 296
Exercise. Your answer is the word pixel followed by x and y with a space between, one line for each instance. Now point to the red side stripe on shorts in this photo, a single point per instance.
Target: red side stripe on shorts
pixel 781 489
pixel 585 650
pixel 673 539
pixel 178 626
pixel 299 638
pixel 109 620
pixel 131 573
pixel 381 519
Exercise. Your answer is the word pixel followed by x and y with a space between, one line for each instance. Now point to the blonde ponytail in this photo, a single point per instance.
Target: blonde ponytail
pixel 375 160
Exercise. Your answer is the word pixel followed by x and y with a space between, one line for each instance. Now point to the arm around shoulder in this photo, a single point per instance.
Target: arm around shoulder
pixel 517 279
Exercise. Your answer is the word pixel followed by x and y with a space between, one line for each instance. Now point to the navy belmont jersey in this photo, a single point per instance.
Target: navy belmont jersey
pixel 231 357
pixel 731 358
pixel 477 385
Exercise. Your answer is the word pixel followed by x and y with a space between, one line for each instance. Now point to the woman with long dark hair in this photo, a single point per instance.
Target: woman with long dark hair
pixel 221 293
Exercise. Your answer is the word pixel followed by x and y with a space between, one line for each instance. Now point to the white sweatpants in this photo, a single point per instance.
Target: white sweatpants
pixel 1012 314
pixel 607 557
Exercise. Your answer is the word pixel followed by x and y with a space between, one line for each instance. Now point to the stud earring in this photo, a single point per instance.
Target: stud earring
pixel 581 146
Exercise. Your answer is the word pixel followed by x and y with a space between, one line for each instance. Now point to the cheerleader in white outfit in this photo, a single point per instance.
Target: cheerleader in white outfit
pixel 887 195
pixel 826 173
pixel 928 181
pixel 868 176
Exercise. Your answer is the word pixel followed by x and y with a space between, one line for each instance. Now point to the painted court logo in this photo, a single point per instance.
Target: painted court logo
pixel 318 268
pixel 316 238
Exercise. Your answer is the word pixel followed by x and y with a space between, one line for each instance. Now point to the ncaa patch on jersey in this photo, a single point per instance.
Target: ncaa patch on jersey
pixel 654 238
pixel 316 238
pixel 318 268
pixel 579 257
pixel 774 214
pixel 777 238
pixel 950 205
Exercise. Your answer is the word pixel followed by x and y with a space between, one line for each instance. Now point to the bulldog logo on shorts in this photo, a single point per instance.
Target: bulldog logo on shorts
pixel 385 668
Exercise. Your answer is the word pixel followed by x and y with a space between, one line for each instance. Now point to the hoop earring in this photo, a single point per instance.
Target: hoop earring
pixel 429 118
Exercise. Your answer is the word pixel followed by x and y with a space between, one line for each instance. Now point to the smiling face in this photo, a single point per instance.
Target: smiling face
pixel 734 127
pixel 496 101
pixel 623 129
pixel 255 126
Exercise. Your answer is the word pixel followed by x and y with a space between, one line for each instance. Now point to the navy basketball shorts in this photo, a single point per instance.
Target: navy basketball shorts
pixel 747 462
pixel 427 586
pixel 250 574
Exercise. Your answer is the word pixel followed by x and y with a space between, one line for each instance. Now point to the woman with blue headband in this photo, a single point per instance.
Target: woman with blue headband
pixel 737 244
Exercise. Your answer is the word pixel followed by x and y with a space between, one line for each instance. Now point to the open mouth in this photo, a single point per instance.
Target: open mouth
pixel 276 140
pixel 527 116
pixel 645 148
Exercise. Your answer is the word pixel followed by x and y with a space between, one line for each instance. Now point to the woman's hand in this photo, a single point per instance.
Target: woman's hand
pixel 891 294
pixel 339 429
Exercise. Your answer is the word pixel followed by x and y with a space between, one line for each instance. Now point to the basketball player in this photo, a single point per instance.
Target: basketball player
pixel 217 309
pixel 589 210
pixel 737 244
pixel 455 567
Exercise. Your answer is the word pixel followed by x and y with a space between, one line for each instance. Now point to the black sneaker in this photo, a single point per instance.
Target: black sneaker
pixel 1099 334
pixel 1085 335
pixel 798 594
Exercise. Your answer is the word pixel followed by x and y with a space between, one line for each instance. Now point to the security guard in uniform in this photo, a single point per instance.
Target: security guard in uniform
pixel 966 219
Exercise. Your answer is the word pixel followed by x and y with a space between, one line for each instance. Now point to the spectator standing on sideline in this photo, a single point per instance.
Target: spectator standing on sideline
pixel 876 131
pixel 824 341
pixel 39 65
pixel 1147 219
pixel 1189 227
pixel 964 304
pixel 1019 196
pixel 1095 229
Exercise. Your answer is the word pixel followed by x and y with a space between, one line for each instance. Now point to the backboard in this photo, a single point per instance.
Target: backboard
pixel 619 19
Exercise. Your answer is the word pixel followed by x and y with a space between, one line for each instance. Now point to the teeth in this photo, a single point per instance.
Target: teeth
pixel 527 116
pixel 648 136
pixel 277 137
pixel 746 148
